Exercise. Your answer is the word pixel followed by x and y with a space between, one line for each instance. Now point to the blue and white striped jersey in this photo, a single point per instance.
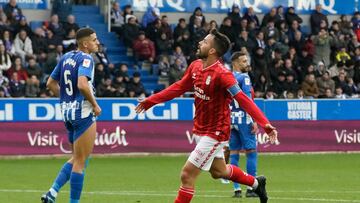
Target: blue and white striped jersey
pixel 71 66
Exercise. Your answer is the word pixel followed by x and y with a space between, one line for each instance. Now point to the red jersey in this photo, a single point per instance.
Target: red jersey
pixel 212 98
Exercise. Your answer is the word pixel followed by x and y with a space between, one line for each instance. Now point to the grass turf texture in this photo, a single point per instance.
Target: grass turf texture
pixel 154 179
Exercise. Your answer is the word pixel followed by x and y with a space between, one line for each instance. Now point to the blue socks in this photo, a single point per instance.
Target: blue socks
pixel 234 160
pixel 76 185
pixel 251 163
pixel 61 179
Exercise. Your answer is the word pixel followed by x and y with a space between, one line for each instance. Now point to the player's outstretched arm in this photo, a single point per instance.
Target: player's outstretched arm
pixel 85 90
pixel 250 107
pixel 53 85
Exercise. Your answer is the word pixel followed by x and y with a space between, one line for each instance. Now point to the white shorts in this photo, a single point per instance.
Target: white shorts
pixel 205 151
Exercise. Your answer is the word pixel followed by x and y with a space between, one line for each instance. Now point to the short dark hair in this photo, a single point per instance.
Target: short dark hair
pixel 84 32
pixel 236 55
pixel 221 42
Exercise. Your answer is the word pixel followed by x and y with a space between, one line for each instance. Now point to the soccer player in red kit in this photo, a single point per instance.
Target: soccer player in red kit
pixel 214 88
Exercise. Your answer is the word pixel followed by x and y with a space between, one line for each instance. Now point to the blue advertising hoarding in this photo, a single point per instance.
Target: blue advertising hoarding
pixel 22 110
pixel 334 7
pixel 28 4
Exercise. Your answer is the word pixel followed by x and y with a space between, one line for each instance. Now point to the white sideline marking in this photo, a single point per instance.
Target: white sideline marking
pixel 166 194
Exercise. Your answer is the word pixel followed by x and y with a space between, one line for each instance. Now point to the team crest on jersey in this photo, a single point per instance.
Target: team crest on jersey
pixel 208 80
pixel 194 76
pixel 247 81
pixel 86 63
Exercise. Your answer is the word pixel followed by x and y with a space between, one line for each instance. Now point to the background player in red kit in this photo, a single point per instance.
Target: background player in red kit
pixel 214 88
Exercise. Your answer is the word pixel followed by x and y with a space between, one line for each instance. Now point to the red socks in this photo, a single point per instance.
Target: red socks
pixel 184 195
pixel 239 176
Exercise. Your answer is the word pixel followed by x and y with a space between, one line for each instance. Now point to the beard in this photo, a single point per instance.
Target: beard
pixel 201 55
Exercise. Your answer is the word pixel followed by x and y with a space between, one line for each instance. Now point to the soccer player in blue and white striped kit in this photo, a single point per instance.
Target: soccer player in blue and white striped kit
pixel 72 80
pixel 243 128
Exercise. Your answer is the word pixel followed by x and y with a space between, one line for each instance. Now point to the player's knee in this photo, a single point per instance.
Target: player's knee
pixel 185 176
pixel 216 174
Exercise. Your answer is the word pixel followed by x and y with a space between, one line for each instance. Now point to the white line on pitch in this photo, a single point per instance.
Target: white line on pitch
pixel 156 193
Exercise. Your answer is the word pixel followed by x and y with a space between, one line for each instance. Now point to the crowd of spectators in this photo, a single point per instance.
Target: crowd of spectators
pixel 287 61
pixel 28 57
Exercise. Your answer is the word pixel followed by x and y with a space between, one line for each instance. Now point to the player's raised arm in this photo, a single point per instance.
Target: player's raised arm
pixel 174 90
pixel 248 105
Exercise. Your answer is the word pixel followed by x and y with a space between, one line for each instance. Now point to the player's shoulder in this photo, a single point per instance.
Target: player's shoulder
pixel 196 64
pixel 222 69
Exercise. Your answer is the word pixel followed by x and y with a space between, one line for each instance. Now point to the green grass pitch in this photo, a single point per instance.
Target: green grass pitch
pixel 155 179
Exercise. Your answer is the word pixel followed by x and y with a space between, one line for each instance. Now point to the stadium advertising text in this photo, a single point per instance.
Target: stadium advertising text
pixel 302 110
pixel 28 4
pixel 103 138
pixel 347 137
pixel 260 6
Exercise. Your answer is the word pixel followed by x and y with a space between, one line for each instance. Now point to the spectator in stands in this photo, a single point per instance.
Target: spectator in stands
pixel 328 94
pixel 290 69
pixel 213 25
pixel 8 42
pixel 197 32
pixel 316 18
pixel 323 43
pixel 70 24
pixel 290 16
pixel 135 87
pixel 18 68
pixel 345 25
pixel 270 31
pixel 279 85
pixel 180 29
pixel 351 88
pixel 178 54
pixel 339 93
pixel 271 16
pixel 32 88
pixel 298 42
pixel 16 86
pixel 164 66
pixel 124 72
pixel 261 86
pixel 186 45
pixel 120 85
pixel 100 74
pixel 350 68
pixel 319 69
pixel 69 42
pixel 23 25
pixel 105 88
pixel 353 45
pixel 165 27
pixel 127 12
pixel 197 14
pixel 56 27
pixel 131 31
pixel 163 45
pixel 39 44
pixel 23 45
pixel 3 92
pixel 228 29
pixel 244 41
pixel 4 22
pixel 260 40
pixel 324 83
pixel 52 41
pixel 12 11
pixel 144 48
pixel 342 55
pixel 235 17
pixel 280 16
pixel 275 67
pixel 259 63
pixel 176 71
pixel 117 18
pixel 62 8
pixel 251 16
pixel 5 60
pixel 310 87
pixel 34 69
pixel 150 16
pixel 52 59
pixel 356 24
pixel 101 57
pixel 153 30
